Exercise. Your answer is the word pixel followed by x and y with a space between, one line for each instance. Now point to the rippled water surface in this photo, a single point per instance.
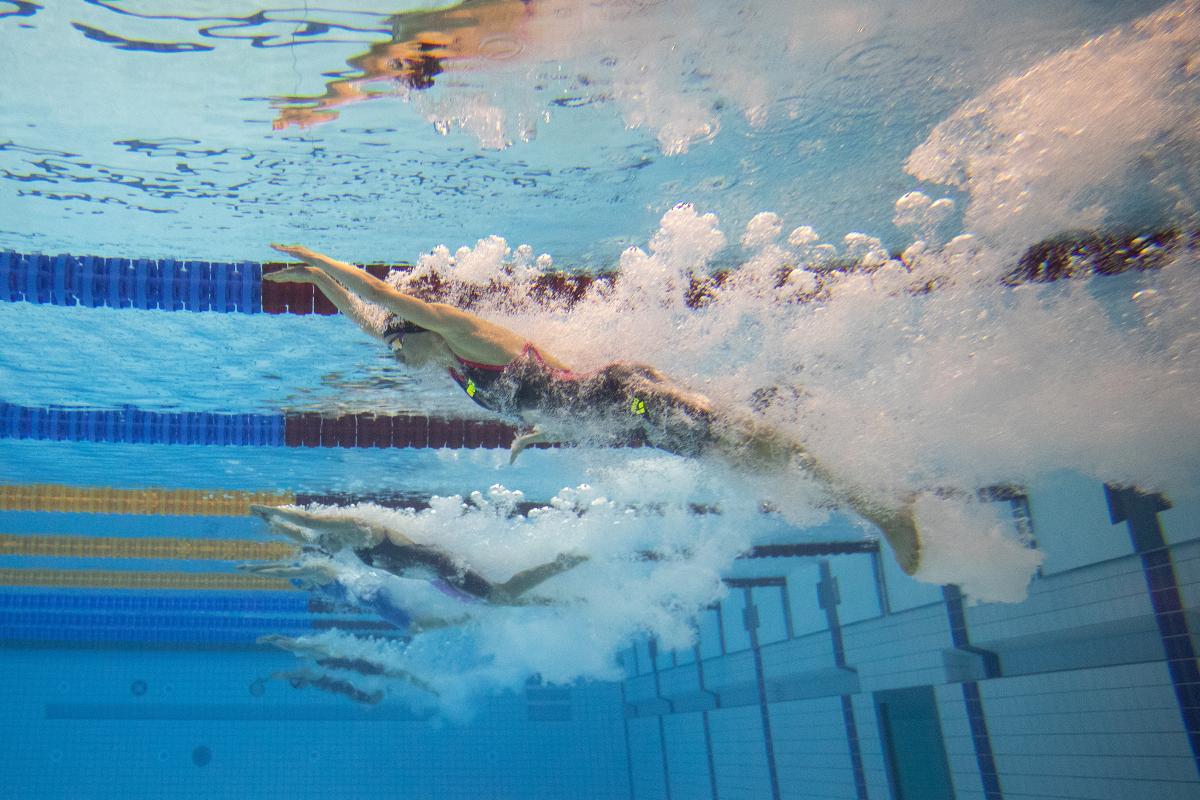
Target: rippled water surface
pixel 205 129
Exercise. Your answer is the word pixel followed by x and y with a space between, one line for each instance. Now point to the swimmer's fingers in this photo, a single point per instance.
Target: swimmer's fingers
pixel 293 250
pixel 275 639
pixel 322 573
pixel 262 512
pixel 272 569
pixel 295 273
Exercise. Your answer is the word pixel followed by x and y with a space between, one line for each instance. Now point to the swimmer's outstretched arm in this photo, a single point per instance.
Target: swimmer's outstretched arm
pixel 468 336
pixel 437 317
pixel 329 533
pixel 348 304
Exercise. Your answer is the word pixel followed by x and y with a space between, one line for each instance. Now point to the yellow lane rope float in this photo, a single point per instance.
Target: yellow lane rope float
pixel 166 502
pixel 115 579
pixel 61 546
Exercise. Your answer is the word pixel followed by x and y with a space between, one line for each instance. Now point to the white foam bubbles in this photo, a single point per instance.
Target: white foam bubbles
pixel 596 608
pixel 974 545
pixel 1082 138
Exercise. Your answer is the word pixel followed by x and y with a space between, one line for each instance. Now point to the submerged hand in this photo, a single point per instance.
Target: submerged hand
pixel 296 273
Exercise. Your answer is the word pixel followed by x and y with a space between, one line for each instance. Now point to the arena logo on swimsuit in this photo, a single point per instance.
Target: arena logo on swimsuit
pixel 637 406
pixel 470 387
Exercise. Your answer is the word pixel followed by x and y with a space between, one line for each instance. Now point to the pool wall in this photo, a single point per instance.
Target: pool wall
pixel 843 678
pixel 814 678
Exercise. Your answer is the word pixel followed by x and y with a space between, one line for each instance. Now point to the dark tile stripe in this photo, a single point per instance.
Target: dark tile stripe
pixel 982 740
pixel 750 618
pixel 860 776
pixel 959 635
pixel 1140 513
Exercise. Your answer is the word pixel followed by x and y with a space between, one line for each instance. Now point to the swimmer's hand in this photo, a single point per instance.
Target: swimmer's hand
pixel 296 251
pixel 523 441
pixel 309 573
pixel 295 273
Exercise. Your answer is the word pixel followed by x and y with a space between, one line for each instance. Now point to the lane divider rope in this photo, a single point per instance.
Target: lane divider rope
pixel 61 546
pixel 164 502
pixel 131 425
pixel 121 579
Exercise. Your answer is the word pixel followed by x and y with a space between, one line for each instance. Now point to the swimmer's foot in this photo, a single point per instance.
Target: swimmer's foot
pixel 522 442
pixel 900 530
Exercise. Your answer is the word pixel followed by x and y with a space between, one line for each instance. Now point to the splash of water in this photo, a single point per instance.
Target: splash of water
pixel 1100 134
pixel 921 376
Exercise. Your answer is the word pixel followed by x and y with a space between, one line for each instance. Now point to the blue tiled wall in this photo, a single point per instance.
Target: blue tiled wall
pixel 1085 690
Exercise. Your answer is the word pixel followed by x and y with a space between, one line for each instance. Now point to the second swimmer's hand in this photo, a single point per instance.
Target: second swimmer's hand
pixel 294 273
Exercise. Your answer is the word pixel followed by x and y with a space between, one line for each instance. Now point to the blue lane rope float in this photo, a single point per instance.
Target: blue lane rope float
pixel 131 425
pixel 135 426
pixel 166 284
pixel 285 602
pixel 224 287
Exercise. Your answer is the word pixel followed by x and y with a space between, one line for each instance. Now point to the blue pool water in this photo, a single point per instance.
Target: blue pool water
pixel 950 247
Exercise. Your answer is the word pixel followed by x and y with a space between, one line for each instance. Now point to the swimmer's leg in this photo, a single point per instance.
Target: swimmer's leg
pixel 896 523
pixel 509 591
pixel 900 530
pixel 749 444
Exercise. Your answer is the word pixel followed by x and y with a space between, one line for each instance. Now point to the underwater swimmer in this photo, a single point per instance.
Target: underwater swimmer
pixel 619 403
pixel 335 663
pixel 384 555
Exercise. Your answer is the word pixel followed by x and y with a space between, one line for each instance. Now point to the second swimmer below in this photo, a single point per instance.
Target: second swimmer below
pixel 619 403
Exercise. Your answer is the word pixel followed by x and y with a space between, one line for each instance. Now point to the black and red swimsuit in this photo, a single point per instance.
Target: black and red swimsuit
pixel 620 403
